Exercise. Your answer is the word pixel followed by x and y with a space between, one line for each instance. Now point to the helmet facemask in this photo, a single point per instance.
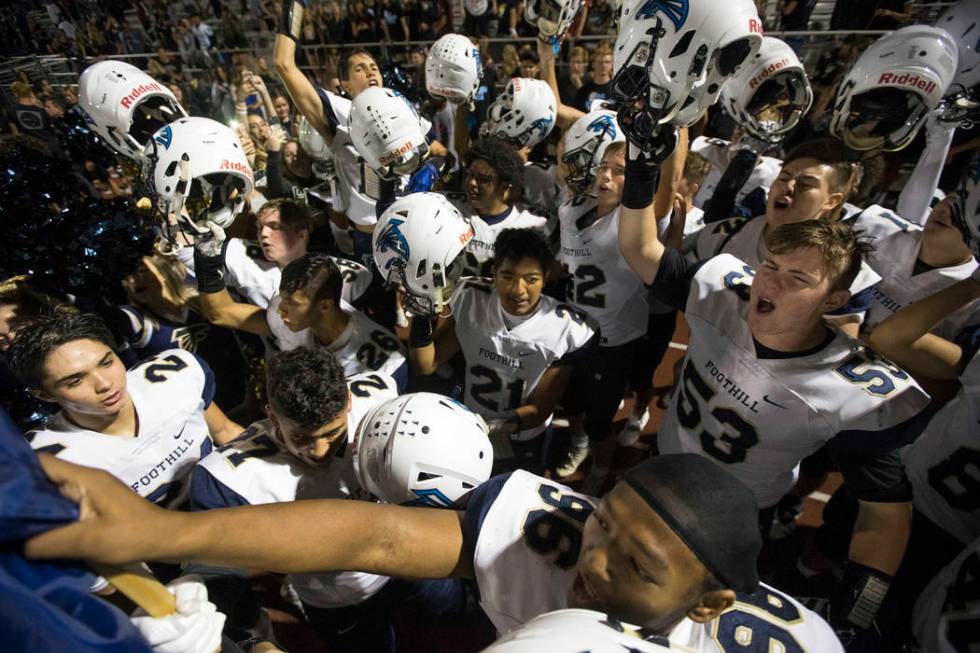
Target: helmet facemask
pixel 581 163
pixel 434 300
pixel 883 117
pixel 777 106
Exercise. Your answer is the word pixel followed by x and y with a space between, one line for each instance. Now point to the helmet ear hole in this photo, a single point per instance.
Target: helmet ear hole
pixel 682 45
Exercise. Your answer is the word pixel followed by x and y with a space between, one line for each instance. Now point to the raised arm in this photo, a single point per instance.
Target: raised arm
pixel 215 303
pixel 904 336
pixel 429 347
pixel 638 240
pixel 566 115
pixel 117 526
pixel 300 89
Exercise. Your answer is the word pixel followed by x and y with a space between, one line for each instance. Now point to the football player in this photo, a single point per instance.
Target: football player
pixel 814 182
pixel 765 382
pixel 303 451
pixel 519 346
pixel 493 185
pixel 309 310
pixel 147 426
pixel 672 548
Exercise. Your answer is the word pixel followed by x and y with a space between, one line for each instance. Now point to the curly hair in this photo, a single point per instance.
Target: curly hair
pixel 37 338
pixel 503 158
pixel 307 386
pixel 516 244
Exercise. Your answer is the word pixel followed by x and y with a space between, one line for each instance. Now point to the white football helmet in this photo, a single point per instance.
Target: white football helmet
pixel 386 132
pixel 585 142
pixel 125 106
pixel 313 144
pixel 453 69
pixel 770 93
pixel 417 245
pixel 885 97
pixel 422 449
pixel 962 101
pixel 523 115
pixel 672 56
pixel 199 172
pixel 966 208
pixel 573 631
pixel 552 17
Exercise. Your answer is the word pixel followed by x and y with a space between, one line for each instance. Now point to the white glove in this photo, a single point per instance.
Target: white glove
pixel 194 628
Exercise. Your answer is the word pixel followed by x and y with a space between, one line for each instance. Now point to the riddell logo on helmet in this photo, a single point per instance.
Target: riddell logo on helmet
pixel 768 70
pixel 137 92
pixel 755 26
pixel 405 148
pixel 467 237
pixel 908 79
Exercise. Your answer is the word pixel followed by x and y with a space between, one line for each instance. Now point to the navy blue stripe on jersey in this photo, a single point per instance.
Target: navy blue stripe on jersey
pixel 478 504
pixel 583 353
pixel 207 393
pixel 858 303
pixel 868 442
pixel 329 116
pixel 207 492
pixel 674 278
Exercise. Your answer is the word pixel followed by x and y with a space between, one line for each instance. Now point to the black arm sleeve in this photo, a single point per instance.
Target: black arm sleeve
pixel 674 278
pixel 276 184
pixel 721 205
pixel 875 477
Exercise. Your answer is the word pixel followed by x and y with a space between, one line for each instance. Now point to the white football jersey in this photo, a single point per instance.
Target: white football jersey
pixel 743 239
pixel 896 244
pixel 945 616
pixel 364 346
pixel 944 462
pixel 504 365
pixel 717 151
pixel 256 469
pixel 170 392
pixel 693 221
pixel 759 417
pixel 540 191
pixel 528 544
pixel 249 273
pixel 480 248
pixel 604 285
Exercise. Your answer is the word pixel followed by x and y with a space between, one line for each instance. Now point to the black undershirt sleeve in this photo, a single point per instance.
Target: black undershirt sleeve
pixel 674 278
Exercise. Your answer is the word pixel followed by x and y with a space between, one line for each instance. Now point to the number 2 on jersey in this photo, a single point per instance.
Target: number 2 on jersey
pixel 155 373
pixel 490 385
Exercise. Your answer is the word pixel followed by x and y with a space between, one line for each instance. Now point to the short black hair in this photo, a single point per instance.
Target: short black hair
pixel 503 158
pixel 37 338
pixel 530 55
pixel 316 275
pixel 306 385
pixel 347 56
pixel 515 244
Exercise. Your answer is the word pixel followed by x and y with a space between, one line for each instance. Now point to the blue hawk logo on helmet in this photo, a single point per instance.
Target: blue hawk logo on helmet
pixel 674 10
pixel 603 125
pixel 393 239
pixel 164 137
pixel 432 498
pixel 542 124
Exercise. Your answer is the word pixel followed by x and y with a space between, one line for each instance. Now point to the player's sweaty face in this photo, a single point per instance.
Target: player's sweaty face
pixel 519 285
pixel 315 446
pixel 633 566
pixel 85 377
pixel 789 293
pixel 485 192
pixel 801 192
pixel 280 244
pixel 610 177
pixel 362 73
pixel 296 310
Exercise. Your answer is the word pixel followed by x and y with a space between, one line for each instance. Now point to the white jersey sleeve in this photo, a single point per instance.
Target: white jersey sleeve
pixel 944 462
pixel 605 286
pixel 719 153
pixel 170 393
pixel 249 273
pixel 525 534
pixel 946 615
pixel 760 416
pixel 504 365
pixel 766 620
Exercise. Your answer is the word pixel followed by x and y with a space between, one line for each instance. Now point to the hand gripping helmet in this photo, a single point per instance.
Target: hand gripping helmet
pixel 416 244
pixel 890 89
pixel 198 171
pixel 585 143
pixel 962 21
pixel 313 144
pixel 125 106
pixel 453 69
pixel 422 449
pixel 674 55
pixel 770 93
pixel 523 115
pixel 387 132
pixel 574 630
pixel 552 17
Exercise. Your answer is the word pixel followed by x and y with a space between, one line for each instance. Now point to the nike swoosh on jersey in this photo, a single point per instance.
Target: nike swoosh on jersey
pixel 766 399
pixel 177 437
pixel 524 353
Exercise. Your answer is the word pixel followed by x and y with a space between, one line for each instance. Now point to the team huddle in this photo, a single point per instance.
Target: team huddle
pixel 388 445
